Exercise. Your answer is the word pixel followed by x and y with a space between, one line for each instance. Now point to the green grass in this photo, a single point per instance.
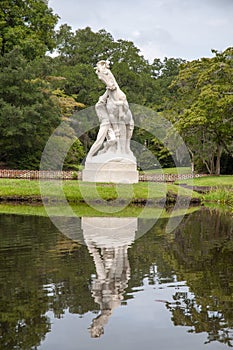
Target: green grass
pixel 220 195
pixel 221 188
pixel 180 170
pixel 223 180
pixel 18 187
pixel 76 191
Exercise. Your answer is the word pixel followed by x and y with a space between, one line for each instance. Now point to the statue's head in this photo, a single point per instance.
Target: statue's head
pixel 105 75
pixel 96 331
pixel 97 327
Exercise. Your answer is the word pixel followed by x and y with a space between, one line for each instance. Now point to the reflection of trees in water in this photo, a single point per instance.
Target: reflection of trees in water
pixel 202 253
pixel 22 304
pixel 41 270
pixel 35 277
pixel 199 252
pixel 200 318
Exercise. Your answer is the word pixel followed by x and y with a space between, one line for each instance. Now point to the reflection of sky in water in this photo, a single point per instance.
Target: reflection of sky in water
pixel 144 323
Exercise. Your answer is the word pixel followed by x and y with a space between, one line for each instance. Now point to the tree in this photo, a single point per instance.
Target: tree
pixel 28 114
pixel 84 46
pixel 27 25
pixel 205 107
pixel 125 51
pixel 164 72
pixel 80 82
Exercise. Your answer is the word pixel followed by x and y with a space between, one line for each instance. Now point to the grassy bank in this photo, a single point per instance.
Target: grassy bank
pixel 78 191
pixel 222 194
pixel 220 191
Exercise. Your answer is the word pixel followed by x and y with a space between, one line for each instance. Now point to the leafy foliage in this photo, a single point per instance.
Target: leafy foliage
pixel 27 25
pixel 205 107
pixel 28 114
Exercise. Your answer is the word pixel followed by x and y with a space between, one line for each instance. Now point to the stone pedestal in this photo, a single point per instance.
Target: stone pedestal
pixel 115 170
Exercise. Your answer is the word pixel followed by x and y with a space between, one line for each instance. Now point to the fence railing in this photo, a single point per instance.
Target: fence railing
pixel 36 174
pixel 71 175
pixel 167 177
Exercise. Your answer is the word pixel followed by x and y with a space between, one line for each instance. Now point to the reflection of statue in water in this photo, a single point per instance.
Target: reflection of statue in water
pixel 113 272
pixel 116 121
pixel 110 158
pixel 107 240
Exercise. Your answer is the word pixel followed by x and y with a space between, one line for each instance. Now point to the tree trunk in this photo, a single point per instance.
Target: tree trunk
pixel 207 166
pixel 212 165
pixel 192 161
pixel 218 160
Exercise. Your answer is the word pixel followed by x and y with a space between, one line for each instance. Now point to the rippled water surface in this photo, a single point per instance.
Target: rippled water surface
pixel 105 289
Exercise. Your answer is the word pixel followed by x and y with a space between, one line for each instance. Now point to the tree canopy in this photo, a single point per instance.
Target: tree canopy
pixel 205 107
pixel 27 25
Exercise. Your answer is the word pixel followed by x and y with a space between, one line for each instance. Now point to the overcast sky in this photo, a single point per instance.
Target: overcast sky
pixel 159 28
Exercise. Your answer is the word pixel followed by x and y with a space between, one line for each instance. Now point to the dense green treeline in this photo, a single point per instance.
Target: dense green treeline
pixel 38 90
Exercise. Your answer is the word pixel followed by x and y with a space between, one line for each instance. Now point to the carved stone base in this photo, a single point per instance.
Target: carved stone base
pixel 119 170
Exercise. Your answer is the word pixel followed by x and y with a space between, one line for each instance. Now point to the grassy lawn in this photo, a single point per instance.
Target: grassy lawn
pixel 76 191
pixel 216 181
pixel 19 188
pixel 221 188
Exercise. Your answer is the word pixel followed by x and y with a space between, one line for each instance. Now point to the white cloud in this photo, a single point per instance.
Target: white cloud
pixel 172 28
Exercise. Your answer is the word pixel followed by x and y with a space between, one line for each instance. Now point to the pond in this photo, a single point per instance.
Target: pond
pixel 103 286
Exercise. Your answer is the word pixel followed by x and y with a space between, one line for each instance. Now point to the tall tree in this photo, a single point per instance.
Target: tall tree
pixel 27 25
pixel 164 72
pixel 28 114
pixel 84 46
pixel 205 107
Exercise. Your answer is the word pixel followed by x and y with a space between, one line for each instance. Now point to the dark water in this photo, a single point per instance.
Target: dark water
pixel 161 291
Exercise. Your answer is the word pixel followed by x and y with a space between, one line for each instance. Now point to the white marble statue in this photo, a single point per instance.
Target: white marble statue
pixel 110 158
pixel 116 121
